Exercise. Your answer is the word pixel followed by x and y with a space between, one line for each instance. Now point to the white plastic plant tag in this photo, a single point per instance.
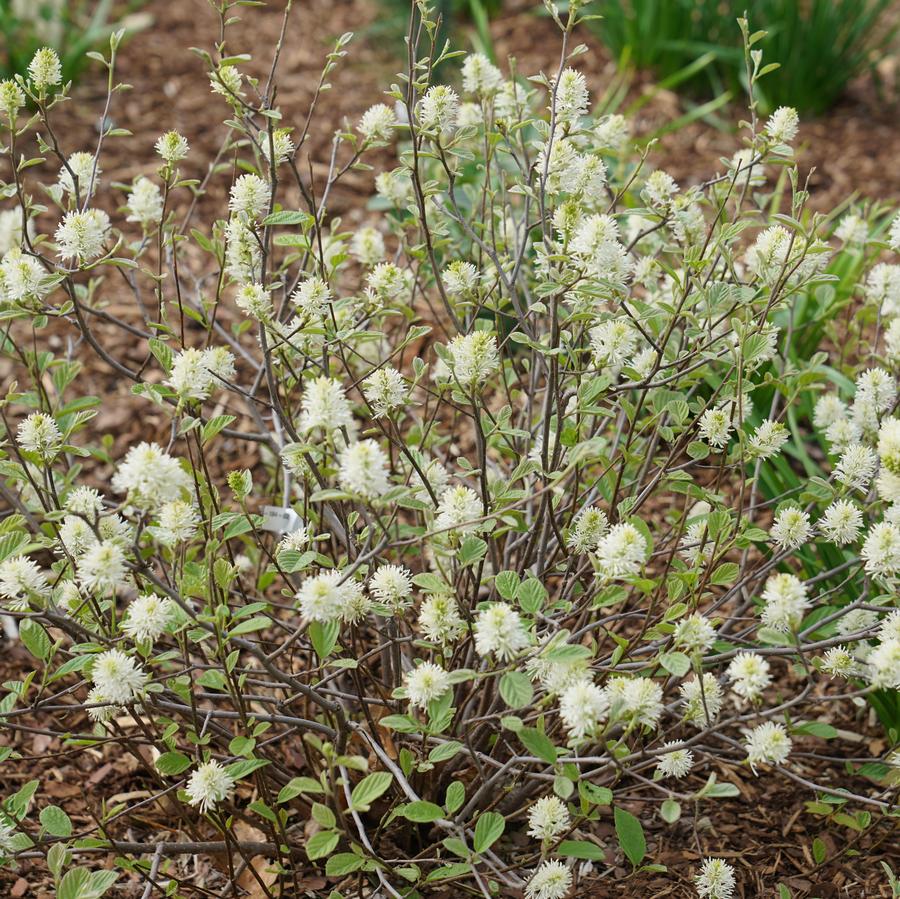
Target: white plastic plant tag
pixel 280 519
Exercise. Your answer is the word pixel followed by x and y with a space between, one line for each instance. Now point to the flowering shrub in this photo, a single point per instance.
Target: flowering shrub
pixel 570 487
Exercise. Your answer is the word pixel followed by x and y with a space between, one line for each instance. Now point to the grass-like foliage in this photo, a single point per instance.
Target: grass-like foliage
pixel 569 491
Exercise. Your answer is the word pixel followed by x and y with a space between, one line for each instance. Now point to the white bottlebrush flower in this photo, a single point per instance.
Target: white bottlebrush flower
pixel 588 528
pixel 716 427
pixel 100 709
pixel 425 683
pixel 255 300
pixel 676 762
pixel 557 676
pixel 82 235
pixel 473 358
pixel 829 409
pixel 172 147
pixel 767 744
pixel 889 444
pixel 638 699
pixel 856 466
pixel 178 521
pixel 21 580
pixel 226 80
pixel 385 390
pixel 118 677
pixel 791 528
pixel 613 344
pixel 499 629
pixel 659 189
pixel 571 101
pixel 458 510
pixel 323 597
pixel 876 387
pixel 196 373
pixel 145 203
pixel 612 133
pixel 394 186
pixel 249 197
pixel 548 818
pixel 11 229
pixel 208 785
pixel 439 619
pixel 79 168
pixel 148 617
pixel 12 98
pixel 892 342
pixel 84 501
pixel 438 108
pixel 297 540
pixel 838 661
pixel 881 550
pixel 786 600
pixel 311 297
pixel 391 584
pixel 102 567
pixel 852 229
pixel 768 439
pixel 694 633
pixel 749 675
pixel 243 254
pixel 326 407
pixel 622 552
pixel 388 282
pixel 377 123
pixel 150 476
pixel 782 125
pixel 363 470
pixel 367 246
pixel 39 434
pixel 22 277
pixel 890 627
pixel 45 70
pixel 480 76
pixel 702 704
pixel 715 880
pixel 280 147
pixel 552 880
pixel 582 707
pixel 894 233
pixel 460 278
pixel 883 665
pixel 882 289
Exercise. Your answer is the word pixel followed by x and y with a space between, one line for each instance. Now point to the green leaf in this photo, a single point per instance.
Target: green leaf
pixel 727 573
pixel 421 811
pixel 631 835
pixel 214 426
pixel 287 217
pixel 36 639
pixel 538 744
pixel 237 770
pixel 343 863
pixel 55 821
pixel 819 850
pixel 580 849
pixel 324 637
pixel 297 785
pixel 676 663
pixel 488 829
pixel 369 789
pixel 321 844
pixel 507 583
pixel 516 689
pixel 670 811
pixel 456 795
pixel 170 763
pixel 445 751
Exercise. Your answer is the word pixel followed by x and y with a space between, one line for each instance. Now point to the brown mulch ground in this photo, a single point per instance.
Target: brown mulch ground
pixel 767 833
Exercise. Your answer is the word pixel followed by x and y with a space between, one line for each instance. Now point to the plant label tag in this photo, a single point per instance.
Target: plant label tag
pixel 280 520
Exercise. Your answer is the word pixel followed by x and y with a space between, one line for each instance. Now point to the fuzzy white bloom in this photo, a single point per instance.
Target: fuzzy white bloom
pixel 889 444
pixel 785 597
pixel 118 677
pixel 208 785
pixel 150 476
pixel 172 147
pixel 101 714
pixel 22 580
pixel 325 406
pixel 438 109
pixel 582 706
pixel 391 584
pixel 856 620
pixel 84 501
pixel 552 880
pixel 460 278
pixel 425 683
pixel 768 439
pixel 363 469
pixel 841 434
pixel 694 633
pixel 178 522
pixel 22 277
pixel 79 167
pixel 884 665
pixel 613 343
pixel 791 528
pixel 102 567
pixel 281 146
pixel 894 233
pixel 323 597
pixel 588 528
pixel 226 80
pixel 11 229
pixel 876 386
pixel 829 409
pixel 39 434
pixel 473 358
pixel 439 619
pixel 12 98
pixel 659 190
pixel 881 550
pixel 394 186
pixel 196 373
pixel 480 76
pixel 557 676
pixel 45 70
pixel 367 246
pixel 145 203
pixel 548 818
pixel 571 97
pixel 882 289
pixel 675 763
pixel 852 229
pixel 612 133
pixel 770 253
pixel 856 467
pixel 249 197
pixel 892 341
pixel 702 700
pixel 377 123
pixel 297 540
pixel 243 254
pixel 148 617
pixel 458 507
pixel 622 552
pixel 385 390
pixel 82 235
pixel 715 880
pixel 715 427
pixel 768 744
pixel 749 675
pixel 839 662
pixel 499 629
pixel 638 699
pixel 782 125
pixel 890 627
pixel 312 296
